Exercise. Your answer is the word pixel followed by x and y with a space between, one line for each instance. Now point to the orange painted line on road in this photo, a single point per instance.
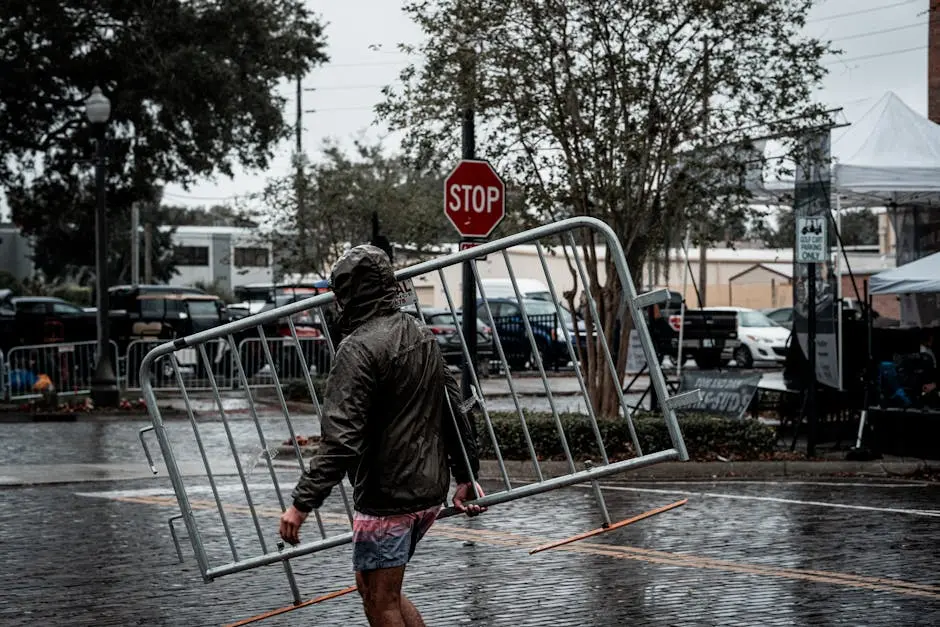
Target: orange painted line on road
pixel 616 525
pixel 291 608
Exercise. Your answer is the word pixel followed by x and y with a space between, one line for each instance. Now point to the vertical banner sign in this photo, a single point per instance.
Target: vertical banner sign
pixel 811 200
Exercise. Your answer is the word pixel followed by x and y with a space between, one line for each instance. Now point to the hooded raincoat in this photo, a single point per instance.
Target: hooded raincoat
pixel 391 418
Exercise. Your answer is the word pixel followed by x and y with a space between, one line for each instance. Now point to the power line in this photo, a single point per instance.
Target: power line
pixel 343 87
pixel 876 56
pixel 880 32
pixel 206 198
pixel 340 109
pixel 839 16
pixel 366 64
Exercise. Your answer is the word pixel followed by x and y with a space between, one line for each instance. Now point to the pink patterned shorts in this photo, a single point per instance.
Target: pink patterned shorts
pixel 389 541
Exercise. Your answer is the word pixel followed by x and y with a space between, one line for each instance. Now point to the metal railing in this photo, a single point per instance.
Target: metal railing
pixel 70 367
pixel 229 536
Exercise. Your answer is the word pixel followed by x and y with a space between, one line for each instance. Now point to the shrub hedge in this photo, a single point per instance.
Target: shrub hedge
pixel 706 437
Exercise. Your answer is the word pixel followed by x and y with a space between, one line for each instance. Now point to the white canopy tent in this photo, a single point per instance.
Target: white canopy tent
pixel 891 155
pixel 918 277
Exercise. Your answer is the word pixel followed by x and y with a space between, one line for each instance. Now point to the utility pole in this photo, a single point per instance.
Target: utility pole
pixel 135 243
pixel 811 408
pixel 148 251
pixel 300 182
pixel 703 239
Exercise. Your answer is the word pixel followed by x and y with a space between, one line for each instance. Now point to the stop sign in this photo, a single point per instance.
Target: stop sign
pixel 474 198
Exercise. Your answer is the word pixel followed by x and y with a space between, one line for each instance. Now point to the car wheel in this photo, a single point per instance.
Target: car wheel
pixel 743 357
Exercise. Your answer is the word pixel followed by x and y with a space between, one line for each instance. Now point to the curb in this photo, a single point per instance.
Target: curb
pixel 519 470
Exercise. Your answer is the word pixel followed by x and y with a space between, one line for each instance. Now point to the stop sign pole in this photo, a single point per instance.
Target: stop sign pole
pixel 468 148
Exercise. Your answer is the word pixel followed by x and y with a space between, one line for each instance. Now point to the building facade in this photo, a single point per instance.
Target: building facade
pixel 227 257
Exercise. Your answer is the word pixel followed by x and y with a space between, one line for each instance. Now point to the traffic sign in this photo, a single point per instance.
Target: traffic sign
pixel 812 240
pixel 474 198
pixel 468 244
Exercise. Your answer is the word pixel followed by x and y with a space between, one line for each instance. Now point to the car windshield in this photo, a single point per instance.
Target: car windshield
pixel 755 319
pixel 203 309
pixel 546 308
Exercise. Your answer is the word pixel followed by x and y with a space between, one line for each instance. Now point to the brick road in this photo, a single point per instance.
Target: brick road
pixel 740 553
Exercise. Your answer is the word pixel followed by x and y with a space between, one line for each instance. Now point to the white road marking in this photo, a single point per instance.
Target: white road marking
pixel 825 484
pixel 773 499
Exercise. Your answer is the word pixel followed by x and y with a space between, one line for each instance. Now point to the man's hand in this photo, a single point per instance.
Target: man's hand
pixel 464 493
pixel 291 520
pixel 929 387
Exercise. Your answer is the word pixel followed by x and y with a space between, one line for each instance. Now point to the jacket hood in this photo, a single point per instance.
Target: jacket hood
pixel 364 285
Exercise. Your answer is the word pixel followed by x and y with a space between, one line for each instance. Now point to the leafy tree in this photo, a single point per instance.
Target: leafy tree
pixel 637 112
pixel 341 193
pixel 216 215
pixel 192 86
pixel 859 228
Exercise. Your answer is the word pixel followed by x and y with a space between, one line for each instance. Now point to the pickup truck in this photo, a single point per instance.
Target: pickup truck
pixel 31 320
pixel 709 336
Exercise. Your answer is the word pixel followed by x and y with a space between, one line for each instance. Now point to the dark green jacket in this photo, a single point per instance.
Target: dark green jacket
pixel 390 403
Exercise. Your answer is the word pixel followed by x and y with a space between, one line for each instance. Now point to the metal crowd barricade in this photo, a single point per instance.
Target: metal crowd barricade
pixel 290 356
pixel 229 536
pixel 70 367
pixel 192 369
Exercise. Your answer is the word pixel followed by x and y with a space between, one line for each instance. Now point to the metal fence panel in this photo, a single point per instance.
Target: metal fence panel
pixel 70 367
pixel 226 532
pixel 191 367
pixel 290 358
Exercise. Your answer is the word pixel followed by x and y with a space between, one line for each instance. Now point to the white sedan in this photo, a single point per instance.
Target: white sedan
pixel 761 338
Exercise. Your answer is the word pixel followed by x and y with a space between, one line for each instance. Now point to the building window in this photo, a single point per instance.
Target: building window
pixel 251 258
pixel 191 255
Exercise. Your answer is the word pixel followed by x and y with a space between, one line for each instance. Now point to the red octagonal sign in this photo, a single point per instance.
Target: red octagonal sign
pixel 474 198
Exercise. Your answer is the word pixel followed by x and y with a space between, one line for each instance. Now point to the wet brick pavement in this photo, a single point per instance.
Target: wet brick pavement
pixel 740 553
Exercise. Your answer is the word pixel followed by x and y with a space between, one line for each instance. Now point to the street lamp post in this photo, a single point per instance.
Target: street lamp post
pixel 104 389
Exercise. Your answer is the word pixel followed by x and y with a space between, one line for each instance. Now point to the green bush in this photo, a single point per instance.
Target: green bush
pixel 706 437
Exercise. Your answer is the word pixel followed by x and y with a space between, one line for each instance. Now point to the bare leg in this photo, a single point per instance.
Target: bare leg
pixel 384 604
pixel 410 613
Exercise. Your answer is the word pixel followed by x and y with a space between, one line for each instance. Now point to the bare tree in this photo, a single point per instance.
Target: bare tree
pixel 611 108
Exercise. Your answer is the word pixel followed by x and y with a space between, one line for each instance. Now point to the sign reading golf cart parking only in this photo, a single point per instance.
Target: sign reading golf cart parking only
pixel 474 198
pixel 812 245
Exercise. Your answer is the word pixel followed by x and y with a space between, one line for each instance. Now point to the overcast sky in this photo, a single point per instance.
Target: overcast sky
pixel 884 44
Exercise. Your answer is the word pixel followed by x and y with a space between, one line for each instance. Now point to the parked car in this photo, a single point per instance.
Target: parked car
pixel 161 312
pixel 762 339
pixel 546 326
pixel 309 327
pixel 709 336
pixel 531 289
pixel 29 320
pixel 781 315
pixel 255 297
pixel 444 326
